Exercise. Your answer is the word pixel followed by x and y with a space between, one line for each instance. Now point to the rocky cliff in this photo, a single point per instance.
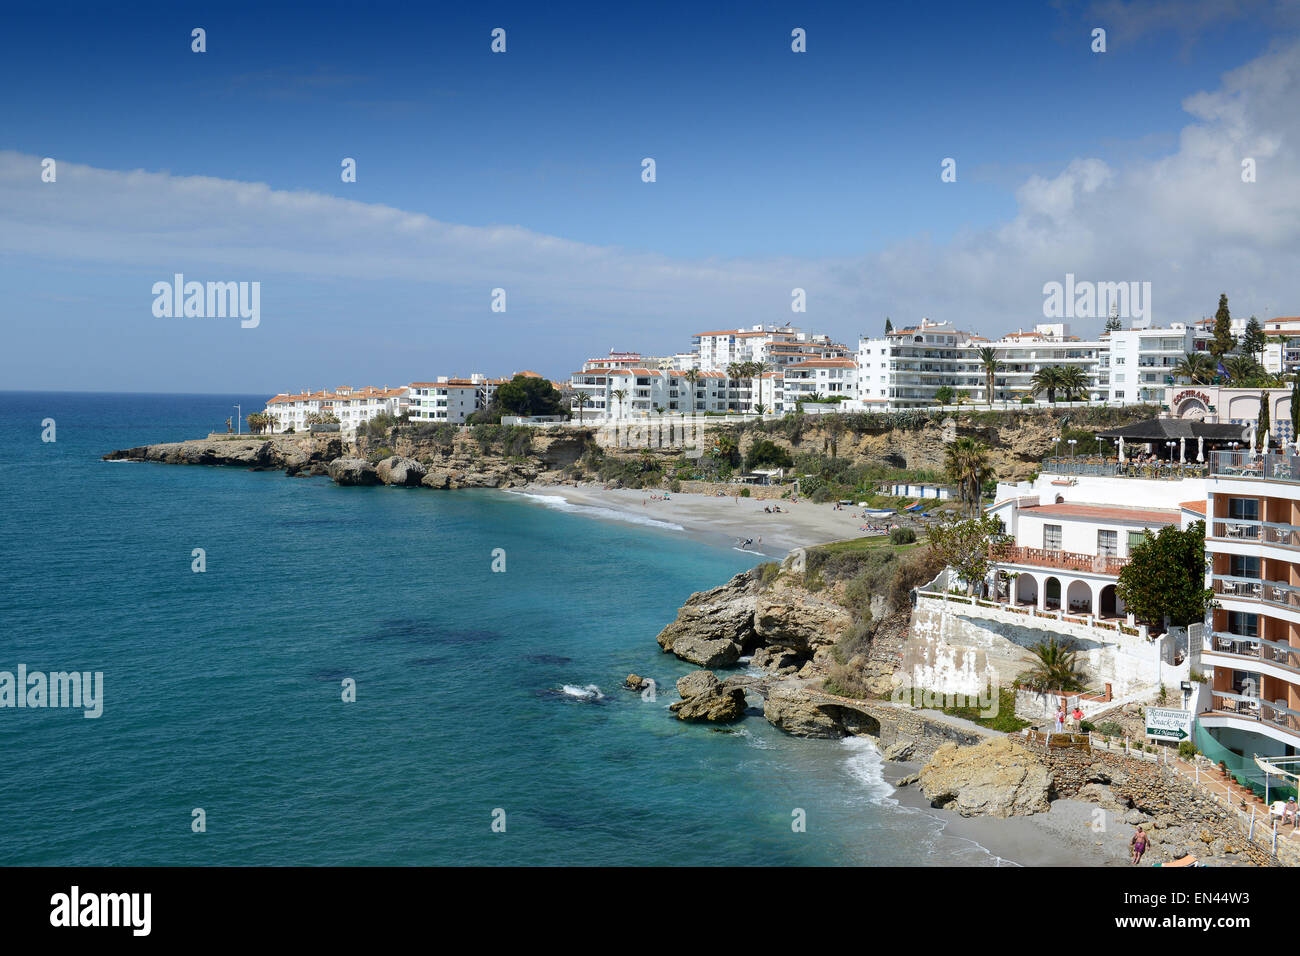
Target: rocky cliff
pixel 295 454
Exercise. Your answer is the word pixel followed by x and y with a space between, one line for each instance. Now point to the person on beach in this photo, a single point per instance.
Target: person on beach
pixel 1289 813
pixel 1138 844
pixel 1076 719
pixel 1060 718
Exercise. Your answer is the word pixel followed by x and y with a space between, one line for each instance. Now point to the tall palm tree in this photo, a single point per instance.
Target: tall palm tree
pixel 581 399
pixel 619 394
pixel 1046 379
pixel 756 370
pixel 967 463
pixel 1054 665
pixel 1197 367
pixel 692 377
pixel 989 362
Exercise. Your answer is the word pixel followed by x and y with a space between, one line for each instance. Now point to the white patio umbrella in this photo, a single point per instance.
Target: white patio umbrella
pixel 1252 442
pixel 1264 446
pixel 1182 450
pixel 1121 450
pixel 1200 448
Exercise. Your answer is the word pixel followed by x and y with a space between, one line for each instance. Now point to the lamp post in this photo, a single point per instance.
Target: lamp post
pixel 239 413
pixel 1072 442
pixel 1170 446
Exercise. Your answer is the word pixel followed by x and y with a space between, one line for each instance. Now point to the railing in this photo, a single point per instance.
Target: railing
pixel 1112 467
pixel 1276 593
pixel 1273 714
pixel 1255 649
pixel 1064 560
pixel 1244 464
pixel 1031 610
pixel 1269 532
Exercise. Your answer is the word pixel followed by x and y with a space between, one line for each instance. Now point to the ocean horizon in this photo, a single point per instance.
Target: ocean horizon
pixel 478 694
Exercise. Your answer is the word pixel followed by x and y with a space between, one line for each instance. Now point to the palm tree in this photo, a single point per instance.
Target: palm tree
pixel 756 370
pixel 1053 666
pixel 581 399
pixel 1047 379
pixel 989 362
pixel 1196 367
pixel 967 462
pixel 1242 369
pixel 760 409
pixel 619 394
pixel 1074 382
pixel 692 377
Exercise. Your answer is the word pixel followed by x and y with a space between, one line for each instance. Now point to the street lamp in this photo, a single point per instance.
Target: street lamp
pixel 1170 446
pixel 1072 442
pixel 239 413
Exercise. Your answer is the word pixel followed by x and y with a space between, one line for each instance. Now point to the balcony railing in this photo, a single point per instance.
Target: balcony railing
pixel 1112 467
pixel 1275 593
pixel 1273 713
pixel 1255 649
pixel 1064 560
pixel 1244 464
pixel 1266 532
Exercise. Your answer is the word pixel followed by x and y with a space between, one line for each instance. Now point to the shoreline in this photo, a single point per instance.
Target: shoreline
pixel 721 521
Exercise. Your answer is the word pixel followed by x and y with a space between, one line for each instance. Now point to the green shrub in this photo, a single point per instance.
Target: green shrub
pixel 675 485
pixel 1187 750
pixel 1027 400
pixel 902 536
pixel 744 492
pixel 1110 729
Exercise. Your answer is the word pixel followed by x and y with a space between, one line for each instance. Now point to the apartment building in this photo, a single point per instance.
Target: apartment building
pixel 1253 652
pixel 450 400
pixel 352 406
pixel 1139 363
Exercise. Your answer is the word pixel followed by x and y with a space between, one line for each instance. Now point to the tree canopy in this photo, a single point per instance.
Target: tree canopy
pixel 1224 341
pixel 964 544
pixel 1165 577
pixel 525 395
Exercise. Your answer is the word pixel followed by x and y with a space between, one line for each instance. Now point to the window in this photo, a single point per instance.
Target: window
pixel 1243 509
pixel 1135 538
pixel 1052 537
pixel 1108 544
pixel 1243 566
pixel 1246 625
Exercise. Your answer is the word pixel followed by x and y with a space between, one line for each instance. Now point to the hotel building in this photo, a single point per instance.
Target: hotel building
pixel 1253 651
pixel 450 400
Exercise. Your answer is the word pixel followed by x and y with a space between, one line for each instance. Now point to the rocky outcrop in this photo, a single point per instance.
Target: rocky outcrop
pixel 996 778
pixel 296 454
pixel 714 627
pixel 706 698
pixel 353 471
pixel 636 682
pixel 797 621
pixel 802 712
pixel 397 470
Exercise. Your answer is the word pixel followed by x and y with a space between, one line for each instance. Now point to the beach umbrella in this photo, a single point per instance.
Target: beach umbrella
pixel 1252 442
pixel 1121 450
pixel 1182 450
pixel 1264 446
pixel 1200 448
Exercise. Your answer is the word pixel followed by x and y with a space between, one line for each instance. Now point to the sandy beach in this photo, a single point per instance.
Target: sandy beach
pixel 1061 837
pixel 720 521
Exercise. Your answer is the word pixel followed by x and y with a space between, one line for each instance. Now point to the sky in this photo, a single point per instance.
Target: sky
pixel 523 171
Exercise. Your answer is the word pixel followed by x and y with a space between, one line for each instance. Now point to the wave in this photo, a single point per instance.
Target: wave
pixel 590 692
pixel 864 764
pixel 560 503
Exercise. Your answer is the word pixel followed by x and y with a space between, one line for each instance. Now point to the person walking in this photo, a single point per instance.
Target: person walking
pixel 1076 719
pixel 1138 844
pixel 1060 718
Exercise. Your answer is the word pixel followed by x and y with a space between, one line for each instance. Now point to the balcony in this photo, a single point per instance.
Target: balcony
pixel 1244 464
pixel 1113 468
pixel 1265 532
pixel 1273 714
pixel 1062 560
pixel 1255 650
pixel 1274 593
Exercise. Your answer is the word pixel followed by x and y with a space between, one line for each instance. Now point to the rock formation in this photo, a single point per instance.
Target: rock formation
pixel 995 778
pixel 706 698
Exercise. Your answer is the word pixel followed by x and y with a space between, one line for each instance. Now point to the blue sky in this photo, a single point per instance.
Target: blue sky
pixel 522 170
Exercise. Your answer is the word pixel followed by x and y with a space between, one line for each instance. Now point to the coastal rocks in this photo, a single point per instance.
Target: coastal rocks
pixel 353 471
pixel 400 471
pixel 706 698
pixel 805 713
pixel 714 627
pixel 901 751
pixel 798 621
pixel 996 778
pixel 294 453
pixel 636 682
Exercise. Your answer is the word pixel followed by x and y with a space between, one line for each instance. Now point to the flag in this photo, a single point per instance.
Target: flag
pixel 1222 371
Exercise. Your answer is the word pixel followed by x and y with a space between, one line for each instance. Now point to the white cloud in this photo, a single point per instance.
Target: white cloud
pixel 1185 222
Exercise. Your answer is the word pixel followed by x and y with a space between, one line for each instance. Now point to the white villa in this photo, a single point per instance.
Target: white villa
pixel 352 406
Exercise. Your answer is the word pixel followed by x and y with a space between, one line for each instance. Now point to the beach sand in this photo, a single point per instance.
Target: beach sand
pixel 724 521
pixel 1063 836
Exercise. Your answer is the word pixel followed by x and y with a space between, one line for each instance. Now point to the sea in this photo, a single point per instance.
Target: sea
pixel 231 612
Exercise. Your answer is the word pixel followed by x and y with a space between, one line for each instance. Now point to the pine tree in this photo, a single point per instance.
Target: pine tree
pixel 1224 341
pixel 889 326
pixel 1263 425
pixel 1253 339
pixel 1113 324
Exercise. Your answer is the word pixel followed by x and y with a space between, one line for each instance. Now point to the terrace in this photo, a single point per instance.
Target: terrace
pixel 1248 464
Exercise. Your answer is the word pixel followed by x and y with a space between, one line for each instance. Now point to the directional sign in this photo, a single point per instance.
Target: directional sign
pixel 1169 724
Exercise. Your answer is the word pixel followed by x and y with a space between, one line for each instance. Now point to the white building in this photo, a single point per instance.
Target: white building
pixel 1140 362
pixel 351 406
pixel 450 400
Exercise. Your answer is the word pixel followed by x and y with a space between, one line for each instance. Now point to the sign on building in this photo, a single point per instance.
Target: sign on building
pixel 1165 724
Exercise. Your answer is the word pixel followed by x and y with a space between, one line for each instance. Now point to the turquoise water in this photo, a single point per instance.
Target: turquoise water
pixel 222 689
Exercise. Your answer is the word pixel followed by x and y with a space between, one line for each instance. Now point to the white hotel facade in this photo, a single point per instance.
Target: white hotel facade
pixel 351 406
